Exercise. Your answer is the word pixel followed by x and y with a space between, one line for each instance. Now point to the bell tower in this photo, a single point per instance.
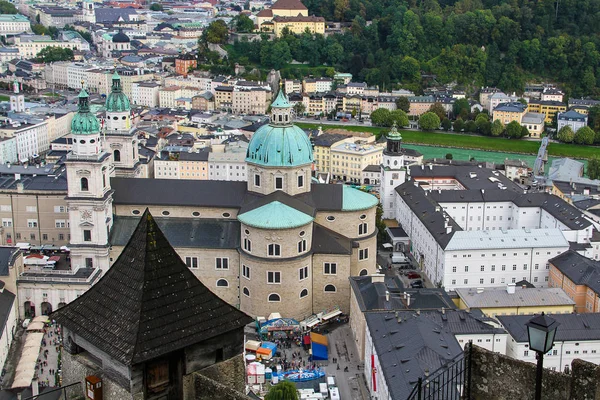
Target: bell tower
pixel 88 12
pixel 89 195
pixel 120 139
pixel 393 172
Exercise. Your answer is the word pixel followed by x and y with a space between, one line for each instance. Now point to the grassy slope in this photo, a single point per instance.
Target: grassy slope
pixel 476 142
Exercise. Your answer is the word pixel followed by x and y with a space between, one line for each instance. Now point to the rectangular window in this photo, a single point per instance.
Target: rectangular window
pixel 453 269
pixel 246 271
pixel 466 281
pixel 257 180
pixel 330 268
pixel 278 182
pixel 87 235
pixel 273 277
pixel 363 254
pixel 481 281
pixel 274 250
pixel 303 272
pixel 60 223
pixel 247 245
pixel 363 228
pixel 32 223
pixel 44 236
pixel 466 268
pixel 61 236
pixel 482 269
pixel 526 353
pixel 5 208
pixel 32 236
pixel 300 181
pixel 492 280
pixel 191 262
pixel 222 263
pixel 302 246
pixel 454 281
pixel 60 209
pixel 7 222
pixel 31 209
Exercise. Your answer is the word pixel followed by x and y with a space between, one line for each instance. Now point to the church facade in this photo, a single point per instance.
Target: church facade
pixel 276 243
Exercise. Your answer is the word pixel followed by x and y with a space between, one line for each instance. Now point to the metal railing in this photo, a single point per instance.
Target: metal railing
pixel 68 392
pixel 451 382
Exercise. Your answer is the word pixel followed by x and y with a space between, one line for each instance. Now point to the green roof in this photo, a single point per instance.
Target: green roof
pixel 393 134
pixel 275 215
pixel 117 101
pixel 281 101
pixel 84 122
pixel 279 146
pixel 13 18
pixel 355 200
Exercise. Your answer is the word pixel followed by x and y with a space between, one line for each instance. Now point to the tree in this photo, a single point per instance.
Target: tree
pixel 449 156
pixel 438 109
pixel 594 168
pixel 399 117
pixel 497 128
pixel 446 124
pixel 513 130
pixel 8 8
pixel 566 134
pixel 39 29
pixel 584 135
pixel 217 32
pixel 54 53
pixel 284 390
pixel 470 126
pixel 403 104
pixel 299 108
pixel 242 23
pixel 483 124
pixel 156 7
pixel 429 121
pixel 525 132
pixel 594 118
pixel 381 117
pixel 461 108
pixel 458 125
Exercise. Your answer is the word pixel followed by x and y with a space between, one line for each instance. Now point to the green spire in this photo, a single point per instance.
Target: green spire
pixel 393 133
pixel 281 101
pixel 117 101
pixel 84 122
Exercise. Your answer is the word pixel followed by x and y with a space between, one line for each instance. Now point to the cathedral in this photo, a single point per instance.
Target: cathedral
pixel 279 242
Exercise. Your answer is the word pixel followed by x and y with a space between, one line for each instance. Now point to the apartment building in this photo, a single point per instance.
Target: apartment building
pixel 508 112
pixel 572 119
pixel 227 166
pixel 350 157
pixel 223 97
pixel 420 104
pixel 579 277
pixel 250 101
pixel 32 138
pixel 299 24
pixel 30 45
pixel 322 149
pixel 547 107
pixel 14 24
pixel 145 94
pixel 169 96
pixel 292 86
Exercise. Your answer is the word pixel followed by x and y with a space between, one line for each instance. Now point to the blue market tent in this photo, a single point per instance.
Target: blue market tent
pixel 319 352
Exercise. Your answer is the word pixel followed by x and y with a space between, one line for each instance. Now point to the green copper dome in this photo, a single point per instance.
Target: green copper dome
pixel 280 143
pixel 275 215
pixel 393 133
pixel 117 101
pixel 84 122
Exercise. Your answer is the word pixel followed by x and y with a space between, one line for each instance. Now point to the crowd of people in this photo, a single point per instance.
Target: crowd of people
pixel 48 367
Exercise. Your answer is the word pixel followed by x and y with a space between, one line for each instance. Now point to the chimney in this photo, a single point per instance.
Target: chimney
pixel 387 296
pixel 376 278
pixel 418 312
pixel 524 286
pixel 431 167
pixel 443 311
pixel 437 208
pixel 416 183
pixel 35 390
pixel 480 290
pixel 448 229
pixel 20 187
pixel 510 288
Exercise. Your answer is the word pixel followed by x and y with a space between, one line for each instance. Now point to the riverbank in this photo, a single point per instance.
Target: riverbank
pixel 474 142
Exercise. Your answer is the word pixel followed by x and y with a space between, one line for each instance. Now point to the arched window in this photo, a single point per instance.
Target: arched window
pixel 246 292
pixel 274 297
pixel 104 177
pixel 85 185
pixel 222 283
pixel 274 250
pixel 363 272
pixel 330 288
pixel 304 293
pixel 117 155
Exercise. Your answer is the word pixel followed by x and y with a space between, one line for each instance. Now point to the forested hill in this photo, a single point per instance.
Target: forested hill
pixel 474 42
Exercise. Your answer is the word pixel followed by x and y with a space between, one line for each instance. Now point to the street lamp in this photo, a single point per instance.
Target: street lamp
pixel 541 331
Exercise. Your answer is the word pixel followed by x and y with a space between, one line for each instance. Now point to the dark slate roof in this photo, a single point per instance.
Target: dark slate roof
pixel 175 192
pixel 191 232
pixel 372 168
pixel 407 349
pixel 200 156
pixel 326 241
pixel 372 296
pixel 586 204
pixel 324 197
pixel 576 187
pixel 573 327
pixel 424 207
pixel 579 269
pixel 148 304
pixel 328 139
pixel 282 197
pixel 113 14
pixel 462 174
pixel 7 300
pixel 7 258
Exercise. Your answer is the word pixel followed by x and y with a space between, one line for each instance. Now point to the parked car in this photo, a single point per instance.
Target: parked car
pixel 417 284
pixel 414 275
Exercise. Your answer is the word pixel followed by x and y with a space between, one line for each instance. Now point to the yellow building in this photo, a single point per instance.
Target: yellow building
pixel 549 108
pixel 351 156
pixel 515 300
pixel 299 24
pixel 282 8
pixel 508 112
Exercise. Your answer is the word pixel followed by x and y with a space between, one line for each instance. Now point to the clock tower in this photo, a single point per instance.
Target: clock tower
pixel 89 193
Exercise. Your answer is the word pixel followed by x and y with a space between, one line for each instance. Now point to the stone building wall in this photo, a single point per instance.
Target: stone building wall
pixel 498 377
pixel 290 179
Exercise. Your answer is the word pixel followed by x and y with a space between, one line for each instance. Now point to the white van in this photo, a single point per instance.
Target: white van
pixel 323 389
pixel 400 259
pixel 330 381
pixel 334 393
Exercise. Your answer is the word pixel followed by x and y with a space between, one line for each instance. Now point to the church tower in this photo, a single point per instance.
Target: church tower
pixel 17 100
pixel 393 172
pixel 88 13
pixel 280 154
pixel 120 139
pixel 89 195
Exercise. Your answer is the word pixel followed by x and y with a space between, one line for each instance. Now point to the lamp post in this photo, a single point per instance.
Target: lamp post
pixel 541 331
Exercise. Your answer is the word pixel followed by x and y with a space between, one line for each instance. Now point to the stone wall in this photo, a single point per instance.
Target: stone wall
pixel 498 377
pixel 222 381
